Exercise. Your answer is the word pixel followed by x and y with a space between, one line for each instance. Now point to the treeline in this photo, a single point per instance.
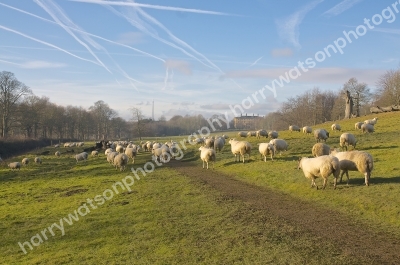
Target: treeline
pixel 317 106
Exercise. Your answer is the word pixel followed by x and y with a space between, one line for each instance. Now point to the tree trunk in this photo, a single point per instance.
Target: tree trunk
pixel 349 106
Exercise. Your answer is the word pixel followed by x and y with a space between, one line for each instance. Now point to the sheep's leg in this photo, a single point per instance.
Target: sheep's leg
pixel 203 163
pixel 207 164
pixel 324 185
pixel 347 175
pixel 367 177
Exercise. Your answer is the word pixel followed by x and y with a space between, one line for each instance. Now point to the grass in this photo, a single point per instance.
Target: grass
pixel 169 219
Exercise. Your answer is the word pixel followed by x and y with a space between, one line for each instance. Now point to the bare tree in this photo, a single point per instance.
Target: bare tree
pixel 389 88
pixel 11 91
pixel 138 121
pixel 360 94
pixel 102 114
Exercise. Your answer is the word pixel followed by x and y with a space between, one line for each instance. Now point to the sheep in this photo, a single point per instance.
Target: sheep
pixel 242 134
pixel 80 144
pixel 261 133
pixel 161 153
pixel 367 128
pixel 111 156
pixel 279 145
pixel 373 121
pixel 25 161
pixel 320 149
pixel 82 156
pixel 67 145
pixel 294 128
pixel 108 151
pixel 387 109
pixel 131 153
pixel 321 134
pixel 273 134
pixel 57 154
pixel 266 149
pixel 120 161
pixel 56 145
pixel 207 155
pixel 119 149
pixel 347 139
pixel 322 166
pixel 358 125
pixel 307 129
pixel 240 148
pixel 249 134
pixel 209 143
pixel 336 127
pixel 355 161
pixel 15 165
pixel 156 145
pixel 38 160
pixel 95 153
pixel 219 144
pixel 376 109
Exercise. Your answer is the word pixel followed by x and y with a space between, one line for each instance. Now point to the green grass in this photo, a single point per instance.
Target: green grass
pixel 168 219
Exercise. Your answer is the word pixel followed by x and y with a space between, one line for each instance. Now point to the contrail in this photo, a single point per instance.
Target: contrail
pixel 46 43
pixel 169 8
pixel 256 61
pixel 89 34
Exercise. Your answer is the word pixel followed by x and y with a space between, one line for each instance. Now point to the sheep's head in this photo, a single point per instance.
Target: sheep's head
pixel 299 162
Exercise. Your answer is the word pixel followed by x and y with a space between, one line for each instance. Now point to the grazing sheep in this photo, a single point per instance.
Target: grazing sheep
pixel 242 134
pixel 249 134
pixel 321 134
pixel 82 156
pixel 266 149
pixel 376 109
pixel 95 153
pixel 108 151
pixel 358 125
pixel 307 129
pixel 158 145
pixel 294 128
pixel 347 139
pixel 119 149
pixel 207 155
pixel 373 121
pixel 131 153
pixel 209 142
pixel 367 128
pixel 57 154
pixel 80 144
pixel 161 154
pixel 120 161
pixel 322 166
pixel 387 109
pixel 240 148
pixel 56 145
pixel 14 165
pixel 261 133
pixel 355 161
pixel 219 144
pixel 111 156
pixel 273 134
pixel 279 145
pixel 336 127
pixel 38 160
pixel 67 145
pixel 320 149
pixel 25 161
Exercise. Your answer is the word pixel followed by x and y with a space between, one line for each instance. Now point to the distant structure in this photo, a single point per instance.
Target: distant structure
pixel 152 111
pixel 246 122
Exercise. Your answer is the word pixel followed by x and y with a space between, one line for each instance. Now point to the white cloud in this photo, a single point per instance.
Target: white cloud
pixel 341 7
pixel 181 66
pixel 284 52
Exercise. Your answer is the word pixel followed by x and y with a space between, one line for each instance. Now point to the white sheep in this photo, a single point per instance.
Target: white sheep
pixel 355 161
pixel 57 154
pixel 321 134
pixel 25 161
pixel 111 156
pixel 38 160
pixel 67 145
pixel 367 128
pixel 80 144
pixel 219 144
pixel 251 133
pixel 14 165
pixel 131 153
pixel 120 161
pixel 336 127
pixel 261 133
pixel 242 134
pixel 56 145
pixel 373 121
pixel 81 157
pixel 307 129
pixel 358 125
pixel 207 155
pixel 320 149
pixel 279 145
pixel 108 151
pixel 273 134
pixel 240 148
pixel 209 142
pixel 119 149
pixel 266 149
pixel 347 139
pixel 322 166
pixel 95 153
pixel 161 154
pixel 294 128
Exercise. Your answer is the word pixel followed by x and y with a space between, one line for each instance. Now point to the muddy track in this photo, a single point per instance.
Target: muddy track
pixel 352 239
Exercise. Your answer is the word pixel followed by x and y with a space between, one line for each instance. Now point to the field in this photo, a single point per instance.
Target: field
pixel 253 213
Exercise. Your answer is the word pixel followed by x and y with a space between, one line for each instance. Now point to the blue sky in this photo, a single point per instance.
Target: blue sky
pixel 194 57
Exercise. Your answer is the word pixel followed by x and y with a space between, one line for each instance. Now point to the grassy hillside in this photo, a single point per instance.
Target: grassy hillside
pixel 168 219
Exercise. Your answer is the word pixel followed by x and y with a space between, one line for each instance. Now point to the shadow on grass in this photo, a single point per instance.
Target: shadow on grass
pixel 378 147
pixel 360 181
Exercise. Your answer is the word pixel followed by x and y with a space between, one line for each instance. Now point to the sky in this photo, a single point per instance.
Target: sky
pixel 195 57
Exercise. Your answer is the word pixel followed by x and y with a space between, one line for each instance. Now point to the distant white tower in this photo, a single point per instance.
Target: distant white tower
pixel 152 111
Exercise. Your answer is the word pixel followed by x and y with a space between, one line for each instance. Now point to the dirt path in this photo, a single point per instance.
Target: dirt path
pixel 351 238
